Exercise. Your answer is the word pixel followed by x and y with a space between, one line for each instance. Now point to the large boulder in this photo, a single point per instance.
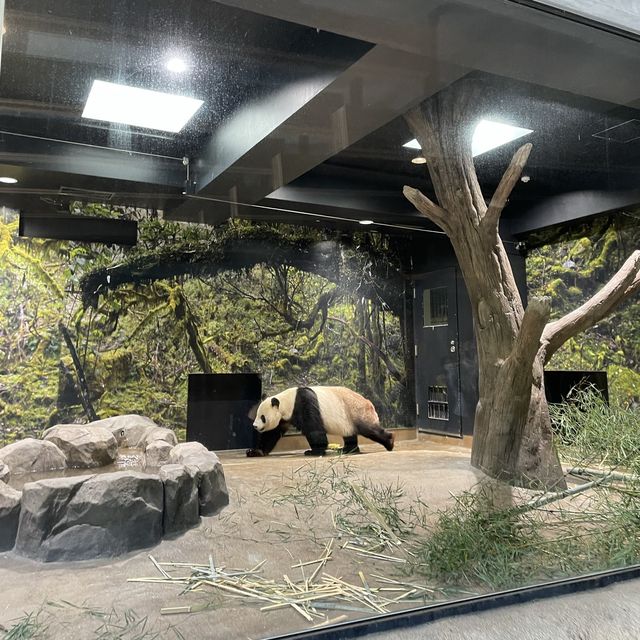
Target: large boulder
pixel 30 455
pixel 157 453
pixel 4 472
pixel 181 505
pixel 86 517
pixel 84 447
pixel 129 430
pixel 212 488
pixel 185 449
pixel 9 515
pixel 158 434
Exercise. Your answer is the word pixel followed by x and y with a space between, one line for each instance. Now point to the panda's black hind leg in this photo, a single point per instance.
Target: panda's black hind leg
pixel 350 445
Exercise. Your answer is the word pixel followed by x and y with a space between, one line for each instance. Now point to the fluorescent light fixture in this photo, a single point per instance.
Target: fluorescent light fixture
pixel 365 222
pixel 8 180
pixel 176 65
pixel 139 107
pixel 487 135
pixel 419 160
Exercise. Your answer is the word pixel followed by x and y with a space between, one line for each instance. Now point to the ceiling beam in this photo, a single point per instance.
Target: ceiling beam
pixel 271 143
pixel 572 207
pixel 495 36
pixel 100 162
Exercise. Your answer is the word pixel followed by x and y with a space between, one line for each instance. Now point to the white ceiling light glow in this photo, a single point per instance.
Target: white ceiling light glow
pixel 176 65
pixel 412 144
pixel 487 135
pixel 139 107
pixel 365 222
pixel 7 180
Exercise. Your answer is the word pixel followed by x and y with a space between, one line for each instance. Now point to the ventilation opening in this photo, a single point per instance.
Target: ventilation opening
pixel 438 403
pixel 84 194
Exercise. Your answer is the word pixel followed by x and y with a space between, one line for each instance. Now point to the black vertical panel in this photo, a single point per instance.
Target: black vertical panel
pixel 218 409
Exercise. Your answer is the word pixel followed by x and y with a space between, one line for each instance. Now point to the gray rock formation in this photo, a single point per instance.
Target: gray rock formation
pixel 129 430
pixel 158 434
pixel 9 514
pixel 157 453
pixel 30 455
pixel 181 505
pixel 84 447
pixel 90 516
pixel 4 472
pixel 212 488
pixel 185 449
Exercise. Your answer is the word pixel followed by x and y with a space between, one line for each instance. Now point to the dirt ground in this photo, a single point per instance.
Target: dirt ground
pixel 91 599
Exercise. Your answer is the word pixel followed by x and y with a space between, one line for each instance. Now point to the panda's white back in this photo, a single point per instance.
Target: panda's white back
pixel 334 412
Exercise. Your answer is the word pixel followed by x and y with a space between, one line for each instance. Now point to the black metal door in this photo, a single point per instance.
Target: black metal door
pixel 437 353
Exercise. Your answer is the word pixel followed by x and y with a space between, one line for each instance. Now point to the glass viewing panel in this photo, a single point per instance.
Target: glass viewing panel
pixel 271 200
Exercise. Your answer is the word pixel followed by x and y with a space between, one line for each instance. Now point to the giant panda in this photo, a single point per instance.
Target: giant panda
pixel 318 411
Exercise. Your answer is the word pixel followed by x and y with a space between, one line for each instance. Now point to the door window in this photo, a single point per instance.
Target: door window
pixel 435 305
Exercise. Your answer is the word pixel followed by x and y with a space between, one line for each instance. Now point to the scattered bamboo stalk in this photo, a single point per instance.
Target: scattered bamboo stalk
pixel 307 597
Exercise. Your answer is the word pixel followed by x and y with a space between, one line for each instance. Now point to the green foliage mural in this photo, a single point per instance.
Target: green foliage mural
pixel 571 271
pixel 296 305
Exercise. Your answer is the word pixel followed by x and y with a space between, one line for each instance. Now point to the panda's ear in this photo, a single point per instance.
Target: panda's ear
pixel 275 402
pixel 264 396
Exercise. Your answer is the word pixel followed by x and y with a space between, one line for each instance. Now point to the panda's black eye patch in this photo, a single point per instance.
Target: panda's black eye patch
pixel 264 420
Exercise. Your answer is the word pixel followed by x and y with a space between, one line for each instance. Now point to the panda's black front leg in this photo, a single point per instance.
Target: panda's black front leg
pixel 267 440
pixel 317 441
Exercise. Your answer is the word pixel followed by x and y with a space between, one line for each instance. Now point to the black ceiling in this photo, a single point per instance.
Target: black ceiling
pixel 303 108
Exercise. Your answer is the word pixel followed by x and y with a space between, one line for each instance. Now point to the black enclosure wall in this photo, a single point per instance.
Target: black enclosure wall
pixel 446 366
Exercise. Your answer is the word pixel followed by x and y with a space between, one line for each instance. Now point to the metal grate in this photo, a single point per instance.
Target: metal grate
pixel 438 403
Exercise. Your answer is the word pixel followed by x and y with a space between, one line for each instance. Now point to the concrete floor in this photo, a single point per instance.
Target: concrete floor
pixel 69 595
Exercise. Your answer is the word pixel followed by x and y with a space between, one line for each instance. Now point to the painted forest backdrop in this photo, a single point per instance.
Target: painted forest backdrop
pixel 295 304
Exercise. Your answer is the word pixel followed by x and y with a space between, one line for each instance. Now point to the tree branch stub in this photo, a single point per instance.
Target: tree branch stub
pixel 505 187
pixel 427 207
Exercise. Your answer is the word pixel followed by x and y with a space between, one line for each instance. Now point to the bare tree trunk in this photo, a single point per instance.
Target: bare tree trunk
pixel 512 432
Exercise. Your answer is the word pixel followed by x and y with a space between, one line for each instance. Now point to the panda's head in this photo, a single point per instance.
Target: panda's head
pixel 268 416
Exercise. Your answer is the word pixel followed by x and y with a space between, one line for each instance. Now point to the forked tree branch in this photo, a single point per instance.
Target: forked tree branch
pixel 508 181
pixel 623 285
pixel 427 207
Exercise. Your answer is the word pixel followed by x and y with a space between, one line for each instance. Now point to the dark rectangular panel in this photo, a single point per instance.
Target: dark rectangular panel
pixel 78 228
pixel 218 409
pixel 558 385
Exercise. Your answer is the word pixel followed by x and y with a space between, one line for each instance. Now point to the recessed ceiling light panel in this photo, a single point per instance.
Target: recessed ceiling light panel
pixel 176 65
pixel 412 144
pixel 7 180
pixel 419 160
pixel 139 107
pixel 487 135
pixel 365 222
